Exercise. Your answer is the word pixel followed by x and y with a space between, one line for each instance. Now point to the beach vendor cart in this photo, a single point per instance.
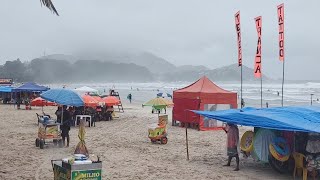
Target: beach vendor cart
pixel 158 132
pixel 84 170
pixel 80 166
pixel 48 129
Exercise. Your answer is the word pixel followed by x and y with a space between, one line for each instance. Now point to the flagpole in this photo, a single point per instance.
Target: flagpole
pixel 261 91
pixel 241 90
pixel 282 82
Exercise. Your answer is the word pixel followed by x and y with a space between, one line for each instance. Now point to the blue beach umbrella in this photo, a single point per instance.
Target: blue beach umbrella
pixel 63 97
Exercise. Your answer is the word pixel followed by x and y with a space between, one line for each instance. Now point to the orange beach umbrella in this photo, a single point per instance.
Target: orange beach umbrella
pixel 90 101
pixel 111 100
pixel 41 102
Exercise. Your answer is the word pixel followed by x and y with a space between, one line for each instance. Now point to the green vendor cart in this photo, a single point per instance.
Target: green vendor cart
pixel 66 171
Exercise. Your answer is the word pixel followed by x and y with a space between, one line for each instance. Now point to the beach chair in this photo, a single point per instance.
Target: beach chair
pixel 299 160
pixel 114 115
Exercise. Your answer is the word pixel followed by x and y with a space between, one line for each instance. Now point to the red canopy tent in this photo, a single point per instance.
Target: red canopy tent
pixel 197 96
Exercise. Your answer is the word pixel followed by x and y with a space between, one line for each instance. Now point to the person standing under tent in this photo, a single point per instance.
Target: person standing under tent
pixel 65 127
pixel 58 114
pixel 232 143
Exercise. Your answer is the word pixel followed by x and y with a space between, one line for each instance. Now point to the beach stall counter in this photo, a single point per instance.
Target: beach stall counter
pixel 63 170
pixel 288 138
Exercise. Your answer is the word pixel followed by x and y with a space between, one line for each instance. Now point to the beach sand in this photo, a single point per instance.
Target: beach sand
pixel 125 149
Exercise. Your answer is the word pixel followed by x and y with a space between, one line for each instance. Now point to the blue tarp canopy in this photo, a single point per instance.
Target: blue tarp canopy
pixel 6 89
pixel 63 97
pixel 30 87
pixel 295 118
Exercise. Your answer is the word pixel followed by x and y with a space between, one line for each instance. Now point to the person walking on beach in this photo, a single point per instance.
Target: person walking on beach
pixel 129 97
pixel 232 143
pixel 65 127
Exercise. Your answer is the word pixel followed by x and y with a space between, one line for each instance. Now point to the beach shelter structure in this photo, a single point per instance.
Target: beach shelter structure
pixel 6 89
pixel 30 87
pixel 201 95
pixel 291 118
pixel 6 93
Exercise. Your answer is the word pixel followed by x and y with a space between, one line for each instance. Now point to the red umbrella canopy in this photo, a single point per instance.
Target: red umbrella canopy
pixel 41 102
pixel 111 100
pixel 90 101
pixel 98 98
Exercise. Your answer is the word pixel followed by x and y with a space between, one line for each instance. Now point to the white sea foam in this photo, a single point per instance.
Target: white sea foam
pixel 294 93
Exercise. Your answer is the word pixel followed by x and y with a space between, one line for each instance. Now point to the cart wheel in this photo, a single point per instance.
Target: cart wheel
pixel 164 140
pixel 41 144
pixel 37 142
pixel 60 143
pixel 55 142
pixel 153 140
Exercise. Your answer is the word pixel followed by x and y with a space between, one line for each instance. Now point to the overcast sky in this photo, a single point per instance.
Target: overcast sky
pixel 180 31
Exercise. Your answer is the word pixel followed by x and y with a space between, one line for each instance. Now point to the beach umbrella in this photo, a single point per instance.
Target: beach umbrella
pixel 63 97
pixel 158 102
pixel 97 98
pixel 41 102
pixel 111 100
pixel 91 101
pixel 86 89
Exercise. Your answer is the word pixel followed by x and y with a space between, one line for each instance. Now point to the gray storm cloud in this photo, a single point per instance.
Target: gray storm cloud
pixel 182 32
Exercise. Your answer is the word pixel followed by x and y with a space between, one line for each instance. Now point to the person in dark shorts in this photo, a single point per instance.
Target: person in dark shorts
pixel 65 127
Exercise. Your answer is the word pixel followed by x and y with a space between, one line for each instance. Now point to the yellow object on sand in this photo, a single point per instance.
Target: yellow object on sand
pixel 81 147
pixel 246 143
pixel 114 115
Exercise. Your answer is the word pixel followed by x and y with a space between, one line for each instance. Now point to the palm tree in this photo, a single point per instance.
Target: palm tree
pixel 49 4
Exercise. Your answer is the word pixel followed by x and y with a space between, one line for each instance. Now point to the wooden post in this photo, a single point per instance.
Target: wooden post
pixel 187 143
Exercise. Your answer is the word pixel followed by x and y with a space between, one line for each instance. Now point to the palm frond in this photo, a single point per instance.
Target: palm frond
pixel 49 5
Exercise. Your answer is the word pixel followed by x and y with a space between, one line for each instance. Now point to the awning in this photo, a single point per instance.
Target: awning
pixel 295 118
pixel 6 89
pixel 30 87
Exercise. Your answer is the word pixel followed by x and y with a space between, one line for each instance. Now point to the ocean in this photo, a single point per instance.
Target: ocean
pixel 294 93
